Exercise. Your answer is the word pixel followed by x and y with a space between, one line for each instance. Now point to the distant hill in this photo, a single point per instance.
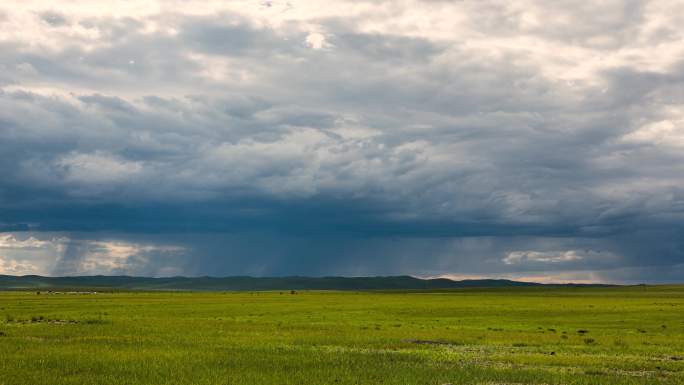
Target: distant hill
pixel 35 282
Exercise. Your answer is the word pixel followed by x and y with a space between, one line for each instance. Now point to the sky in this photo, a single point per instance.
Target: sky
pixel 526 139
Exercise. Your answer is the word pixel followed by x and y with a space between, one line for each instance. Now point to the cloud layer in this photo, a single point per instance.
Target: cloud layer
pixel 349 138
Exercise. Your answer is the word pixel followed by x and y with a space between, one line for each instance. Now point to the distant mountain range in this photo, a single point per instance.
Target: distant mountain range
pixel 243 283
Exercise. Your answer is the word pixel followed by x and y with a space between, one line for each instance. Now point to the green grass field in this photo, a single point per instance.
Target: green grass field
pixel 542 335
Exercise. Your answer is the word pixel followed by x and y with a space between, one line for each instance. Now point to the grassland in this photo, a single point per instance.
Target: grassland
pixel 535 335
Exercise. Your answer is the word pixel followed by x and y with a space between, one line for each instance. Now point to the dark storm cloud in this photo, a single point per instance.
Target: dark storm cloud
pixel 490 141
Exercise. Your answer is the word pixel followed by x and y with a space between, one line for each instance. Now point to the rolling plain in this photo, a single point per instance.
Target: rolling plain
pixel 513 335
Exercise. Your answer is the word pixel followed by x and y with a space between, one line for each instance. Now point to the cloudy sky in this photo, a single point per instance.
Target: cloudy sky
pixel 522 139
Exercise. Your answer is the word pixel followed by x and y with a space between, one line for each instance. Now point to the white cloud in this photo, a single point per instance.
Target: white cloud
pixel 538 258
pixel 23 253
pixel 9 241
pixel 45 254
pixel 316 40
pixel 14 267
pixel 117 257
pixel 660 133
pixel 518 257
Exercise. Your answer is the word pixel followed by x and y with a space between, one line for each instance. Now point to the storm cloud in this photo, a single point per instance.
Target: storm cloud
pixel 528 140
